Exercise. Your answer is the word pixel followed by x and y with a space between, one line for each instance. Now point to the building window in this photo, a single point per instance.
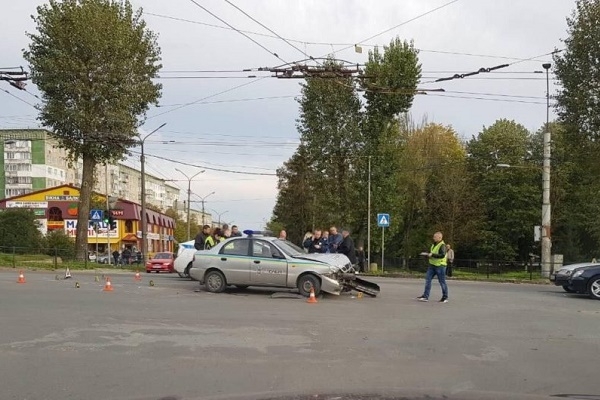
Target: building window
pixel 128 226
pixel 55 214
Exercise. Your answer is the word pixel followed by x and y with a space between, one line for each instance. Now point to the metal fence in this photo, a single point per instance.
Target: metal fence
pixel 464 267
pixel 22 257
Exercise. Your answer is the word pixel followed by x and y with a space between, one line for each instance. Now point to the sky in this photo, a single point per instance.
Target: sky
pixel 251 129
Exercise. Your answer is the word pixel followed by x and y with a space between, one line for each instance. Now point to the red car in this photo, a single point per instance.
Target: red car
pixel 161 262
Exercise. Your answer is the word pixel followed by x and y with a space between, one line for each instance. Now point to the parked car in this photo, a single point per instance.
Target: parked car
pixel 161 262
pixel 563 274
pixel 268 261
pixel 586 281
pixel 183 261
pixel 103 259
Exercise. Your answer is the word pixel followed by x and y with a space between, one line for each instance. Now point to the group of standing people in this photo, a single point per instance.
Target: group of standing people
pixel 323 241
pixel 209 237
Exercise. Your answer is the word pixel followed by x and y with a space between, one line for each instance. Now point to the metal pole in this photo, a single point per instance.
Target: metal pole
pixel 546 206
pixel 189 178
pixel 203 223
pixel 382 247
pixel 108 211
pixel 188 208
pixel 143 216
pixel 369 219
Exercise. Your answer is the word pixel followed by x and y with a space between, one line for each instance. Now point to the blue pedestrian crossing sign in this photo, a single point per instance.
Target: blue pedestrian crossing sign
pixel 383 220
pixel 96 215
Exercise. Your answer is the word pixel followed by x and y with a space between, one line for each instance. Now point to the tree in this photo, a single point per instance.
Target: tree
pixel 390 79
pixel 58 243
pixel 19 230
pixel 576 139
pixel 93 61
pixel 508 183
pixel 577 68
pixel 180 233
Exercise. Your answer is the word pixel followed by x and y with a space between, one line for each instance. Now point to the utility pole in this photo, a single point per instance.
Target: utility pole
pixel 369 219
pixel 143 173
pixel 202 200
pixel 219 215
pixel 108 211
pixel 189 193
pixel 546 206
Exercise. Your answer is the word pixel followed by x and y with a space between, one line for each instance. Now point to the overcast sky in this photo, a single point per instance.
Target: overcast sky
pixel 258 135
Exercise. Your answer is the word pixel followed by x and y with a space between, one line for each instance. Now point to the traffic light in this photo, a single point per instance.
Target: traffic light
pixel 106 217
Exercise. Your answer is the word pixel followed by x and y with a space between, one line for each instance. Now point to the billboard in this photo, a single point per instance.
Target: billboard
pixel 71 229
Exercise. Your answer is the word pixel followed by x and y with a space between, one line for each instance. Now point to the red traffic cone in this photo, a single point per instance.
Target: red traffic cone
pixel 108 285
pixel 21 277
pixel 312 298
pixel 138 277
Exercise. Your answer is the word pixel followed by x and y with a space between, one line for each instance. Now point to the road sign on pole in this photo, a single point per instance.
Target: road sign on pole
pixel 383 220
pixel 96 215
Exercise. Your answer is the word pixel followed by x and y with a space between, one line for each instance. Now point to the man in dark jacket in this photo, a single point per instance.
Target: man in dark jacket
pixel 316 243
pixel 347 246
pixel 201 237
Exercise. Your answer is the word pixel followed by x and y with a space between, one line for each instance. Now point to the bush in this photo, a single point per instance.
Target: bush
pixel 61 243
pixel 19 230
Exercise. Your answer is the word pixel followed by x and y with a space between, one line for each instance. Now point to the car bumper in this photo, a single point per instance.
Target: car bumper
pixel 330 286
pixel 559 280
pixel 578 285
pixel 197 275
pixel 165 268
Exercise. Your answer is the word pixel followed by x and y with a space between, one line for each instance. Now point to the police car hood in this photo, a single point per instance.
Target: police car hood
pixel 336 260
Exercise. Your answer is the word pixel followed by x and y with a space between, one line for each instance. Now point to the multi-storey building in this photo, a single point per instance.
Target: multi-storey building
pixel 32 161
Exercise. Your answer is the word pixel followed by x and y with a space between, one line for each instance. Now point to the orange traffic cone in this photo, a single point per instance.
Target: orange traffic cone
pixel 21 277
pixel 312 298
pixel 107 285
pixel 138 277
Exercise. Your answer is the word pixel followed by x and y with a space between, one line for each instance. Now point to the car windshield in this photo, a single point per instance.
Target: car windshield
pixel 288 248
pixel 162 256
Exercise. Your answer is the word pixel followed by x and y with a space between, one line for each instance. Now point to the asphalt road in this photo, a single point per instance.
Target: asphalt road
pixel 141 342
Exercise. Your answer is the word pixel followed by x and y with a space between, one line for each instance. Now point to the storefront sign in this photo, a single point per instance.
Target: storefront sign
pixel 71 229
pixel 26 204
pixel 62 198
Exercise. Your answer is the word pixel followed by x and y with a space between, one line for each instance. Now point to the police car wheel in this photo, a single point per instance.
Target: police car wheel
pixel 214 281
pixel 306 282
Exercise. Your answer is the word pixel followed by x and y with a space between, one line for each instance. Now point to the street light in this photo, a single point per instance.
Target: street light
pixel 546 206
pixel 219 215
pixel 143 172
pixel 189 178
pixel 202 200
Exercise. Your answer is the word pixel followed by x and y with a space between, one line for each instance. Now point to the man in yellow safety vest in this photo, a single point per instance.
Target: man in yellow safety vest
pixel 437 266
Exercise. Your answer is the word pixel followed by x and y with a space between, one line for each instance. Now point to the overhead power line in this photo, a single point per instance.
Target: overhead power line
pixel 400 24
pixel 206 98
pixel 238 31
pixel 208 167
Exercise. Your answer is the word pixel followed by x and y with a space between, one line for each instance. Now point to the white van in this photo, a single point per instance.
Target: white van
pixel 183 261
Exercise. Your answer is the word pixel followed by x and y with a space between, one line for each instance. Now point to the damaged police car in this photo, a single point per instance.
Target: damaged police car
pixel 271 262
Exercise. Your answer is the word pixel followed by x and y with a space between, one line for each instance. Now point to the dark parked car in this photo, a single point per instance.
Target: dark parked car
pixel 562 275
pixel 586 281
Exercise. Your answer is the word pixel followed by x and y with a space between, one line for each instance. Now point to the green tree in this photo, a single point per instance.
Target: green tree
pixel 508 182
pixel 93 61
pixel 59 243
pixel 576 231
pixel 577 68
pixel 390 79
pixel 19 229
pixel 296 206
pixel 181 225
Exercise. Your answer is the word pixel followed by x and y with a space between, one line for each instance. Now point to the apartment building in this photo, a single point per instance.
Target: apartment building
pixel 32 161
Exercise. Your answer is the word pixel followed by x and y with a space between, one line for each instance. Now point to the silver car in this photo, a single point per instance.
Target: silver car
pixel 271 262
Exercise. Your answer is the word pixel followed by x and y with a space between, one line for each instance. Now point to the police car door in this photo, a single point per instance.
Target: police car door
pixel 268 267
